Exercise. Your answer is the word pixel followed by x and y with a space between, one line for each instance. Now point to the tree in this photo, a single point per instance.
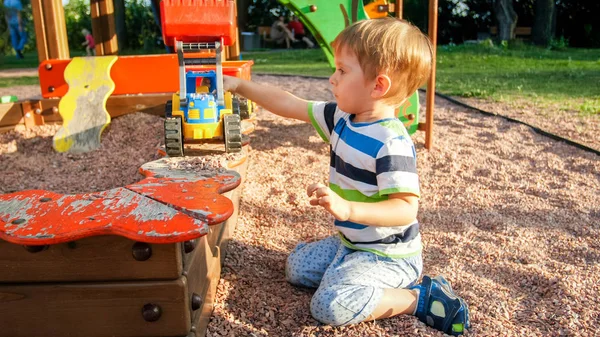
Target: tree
pixel 507 19
pixel 543 22
pixel 263 13
pixel 120 26
pixel 242 13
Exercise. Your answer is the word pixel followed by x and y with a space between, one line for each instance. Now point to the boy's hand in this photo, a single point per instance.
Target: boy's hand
pixel 328 199
pixel 230 83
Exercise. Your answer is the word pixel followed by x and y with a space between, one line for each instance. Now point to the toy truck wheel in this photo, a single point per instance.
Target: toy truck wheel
pixel 173 137
pixel 244 108
pixel 235 104
pixel 169 109
pixel 232 131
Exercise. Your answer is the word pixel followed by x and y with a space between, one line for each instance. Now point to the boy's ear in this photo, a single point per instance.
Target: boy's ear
pixel 383 83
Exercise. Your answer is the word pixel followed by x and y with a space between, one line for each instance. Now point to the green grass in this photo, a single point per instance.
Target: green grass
pixel 11 62
pixel 308 62
pixel 12 81
pixel 569 78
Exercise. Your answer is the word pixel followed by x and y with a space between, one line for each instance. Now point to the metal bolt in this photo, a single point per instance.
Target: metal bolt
pixel 36 249
pixel 38 111
pixel 313 8
pixel 189 246
pixel 45 199
pixel 411 117
pixel 141 251
pixel 196 301
pixel 28 115
pixel 55 109
pixel 51 89
pixel 48 66
pixel 151 312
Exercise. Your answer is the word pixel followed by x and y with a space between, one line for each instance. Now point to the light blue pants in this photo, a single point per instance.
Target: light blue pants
pixel 349 283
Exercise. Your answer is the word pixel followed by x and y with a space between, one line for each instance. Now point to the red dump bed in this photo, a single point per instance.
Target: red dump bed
pixel 198 21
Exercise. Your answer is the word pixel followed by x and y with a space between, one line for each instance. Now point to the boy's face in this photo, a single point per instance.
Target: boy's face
pixel 352 93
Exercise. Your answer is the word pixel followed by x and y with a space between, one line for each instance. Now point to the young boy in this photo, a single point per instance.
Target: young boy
pixel 368 271
pixel 89 43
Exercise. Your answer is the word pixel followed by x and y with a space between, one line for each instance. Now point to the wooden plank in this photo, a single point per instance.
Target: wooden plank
pixel 11 114
pixel 56 29
pixel 205 269
pixel 201 262
pixel 32 114
pixel 153 104
pixel 101 258
pixel 41 39
pixel 94 309
pixel 430 93
pixel 202 273
pixel 202 316
pixel 231 223
pixel 398 9
pixel 103 27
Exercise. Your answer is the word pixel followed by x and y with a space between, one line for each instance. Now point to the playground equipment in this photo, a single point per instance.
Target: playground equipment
pixel 200 110
pixel 327 18
pixel 141 260
pixel 98 271
pixel 83 108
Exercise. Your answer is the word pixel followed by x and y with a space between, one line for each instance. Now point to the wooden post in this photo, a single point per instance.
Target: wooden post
pixel 233 51
pixel 398 8
pixel 103 27
pixel 432 30
pixel 50 29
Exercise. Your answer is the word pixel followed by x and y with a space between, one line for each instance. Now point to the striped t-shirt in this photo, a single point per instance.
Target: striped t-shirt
pixel 368 162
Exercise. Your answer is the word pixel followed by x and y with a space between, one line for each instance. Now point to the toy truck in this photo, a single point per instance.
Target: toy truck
pixel 201 110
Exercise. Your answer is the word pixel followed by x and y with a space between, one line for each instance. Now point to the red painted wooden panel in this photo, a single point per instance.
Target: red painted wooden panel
pixel 168 206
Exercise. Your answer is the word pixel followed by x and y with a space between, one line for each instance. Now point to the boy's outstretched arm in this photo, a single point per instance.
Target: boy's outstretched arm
pixel 399 210
pixel 277 101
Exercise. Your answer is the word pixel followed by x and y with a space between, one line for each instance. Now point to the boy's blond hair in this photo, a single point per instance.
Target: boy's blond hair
pixel 391 47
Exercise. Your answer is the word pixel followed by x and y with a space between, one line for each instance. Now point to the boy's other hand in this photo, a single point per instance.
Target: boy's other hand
pixel 230 83
pixel 323 196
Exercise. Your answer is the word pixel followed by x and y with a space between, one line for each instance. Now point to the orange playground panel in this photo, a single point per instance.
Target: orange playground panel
pixel 146 74
pixel 198 21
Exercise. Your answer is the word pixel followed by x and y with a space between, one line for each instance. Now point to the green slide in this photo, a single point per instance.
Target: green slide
pixel 326 19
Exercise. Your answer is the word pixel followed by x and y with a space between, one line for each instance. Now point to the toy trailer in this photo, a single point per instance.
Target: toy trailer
pixel 200 110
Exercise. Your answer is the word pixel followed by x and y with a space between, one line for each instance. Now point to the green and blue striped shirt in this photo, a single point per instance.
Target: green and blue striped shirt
pixel 369 161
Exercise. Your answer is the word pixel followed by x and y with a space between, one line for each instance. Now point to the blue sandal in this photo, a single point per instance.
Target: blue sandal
pixel 439 307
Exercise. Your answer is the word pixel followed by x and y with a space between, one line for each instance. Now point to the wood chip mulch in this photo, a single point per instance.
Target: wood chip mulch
pixel 510 217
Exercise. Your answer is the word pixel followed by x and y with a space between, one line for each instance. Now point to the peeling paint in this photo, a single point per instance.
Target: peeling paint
pixel 155 210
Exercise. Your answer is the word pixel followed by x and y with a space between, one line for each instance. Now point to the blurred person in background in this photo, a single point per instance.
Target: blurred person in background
pixel 89 43
pixel 280 33
pixel 16 26
pixel 297 29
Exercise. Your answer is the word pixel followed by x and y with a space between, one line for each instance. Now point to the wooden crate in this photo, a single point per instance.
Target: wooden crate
pixel 95 287
pixel 100 258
